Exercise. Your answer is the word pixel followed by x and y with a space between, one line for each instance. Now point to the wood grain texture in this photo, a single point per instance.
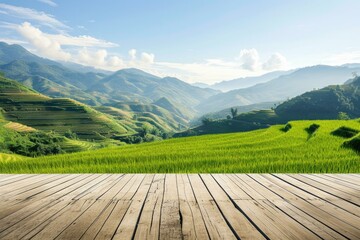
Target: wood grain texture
pixel 180 206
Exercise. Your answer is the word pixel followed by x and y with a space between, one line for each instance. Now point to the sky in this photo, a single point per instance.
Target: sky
pixel 195 40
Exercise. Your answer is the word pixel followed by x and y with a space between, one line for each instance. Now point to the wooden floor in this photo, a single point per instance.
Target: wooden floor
pixel 180 206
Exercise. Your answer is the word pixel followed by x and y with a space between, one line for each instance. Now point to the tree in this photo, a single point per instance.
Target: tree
pixel 343 116
pixel 228 117
pixel 233 112
pixel 206 121
pixel 144 131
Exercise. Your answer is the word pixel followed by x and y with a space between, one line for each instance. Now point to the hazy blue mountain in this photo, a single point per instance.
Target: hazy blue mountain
pixel 201 85
pixel 351 65
pixel 134 83
pixel 11 52
pixel 246 82
pixel 84 69
pixel 280 88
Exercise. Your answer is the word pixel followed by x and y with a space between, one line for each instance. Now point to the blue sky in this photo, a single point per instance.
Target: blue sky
pixel 197 41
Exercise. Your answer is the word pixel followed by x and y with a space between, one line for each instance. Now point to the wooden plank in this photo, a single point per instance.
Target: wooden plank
pixel 106 206
pixel 193 225
pixel 80 225
pixel 231 188
pixel 61 218
pixel 333 185
pixel 6 176
pixel 34 221
pixel 6 189
pixel 214 221
pixel 170 222
pixel 232 213
pixel 66 216
pixel 123 198
pixel 339 181
pixel 314 207
pixel 353 178
pixel 127 227
pixel 16 204
pixel 331 199
pixel 271 220
pixel 100 188
pixel 149 222
pixel 269 189
pixel 31 211
pixel 98 223
pixel 331 190
pixel 13 192
pixel 17 178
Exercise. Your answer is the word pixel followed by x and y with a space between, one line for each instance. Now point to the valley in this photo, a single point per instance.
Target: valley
pixel 59 119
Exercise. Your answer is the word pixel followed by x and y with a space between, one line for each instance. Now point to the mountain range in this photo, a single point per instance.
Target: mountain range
pixel 136 97
pixel 281 88
pixel 332 102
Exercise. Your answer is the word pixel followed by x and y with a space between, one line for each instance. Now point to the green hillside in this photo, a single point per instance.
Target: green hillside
pixel 332 102
pixel 25 106
pixel 325 103
pixel 53 80
pixel 300 146
pixel 135 85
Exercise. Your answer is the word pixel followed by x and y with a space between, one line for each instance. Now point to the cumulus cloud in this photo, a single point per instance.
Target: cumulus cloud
pixel 50 46
pixel 147 58
pixel 132 54
pixel 275 62
pixel 49 2
pixel 249 59
pixel 44 45
pixel 33 15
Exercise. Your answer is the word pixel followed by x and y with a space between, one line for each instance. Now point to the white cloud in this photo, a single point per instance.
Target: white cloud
pixel 50 46
pixel 49 2
pixel 81 41
pixel 147 58
pixel 249 58
pixel 44 45
pixel 275 62
pixel 34 15
pixel 132 54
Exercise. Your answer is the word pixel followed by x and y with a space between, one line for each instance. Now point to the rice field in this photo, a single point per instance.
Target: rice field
pixel 298 148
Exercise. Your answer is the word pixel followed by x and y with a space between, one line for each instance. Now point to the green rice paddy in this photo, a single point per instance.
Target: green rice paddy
pixel 296 150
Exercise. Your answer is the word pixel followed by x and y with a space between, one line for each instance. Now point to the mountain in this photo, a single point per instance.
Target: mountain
pixel 135 116
pixel 240 109
pixel 11 52
pixel 280 88
pixel 173 108
pixel 52 80
pixel 26 106
pixel 332 102
pixel 136 85
pixel 94 88
pixel 325 103
pixel 201 85
pixel 246 82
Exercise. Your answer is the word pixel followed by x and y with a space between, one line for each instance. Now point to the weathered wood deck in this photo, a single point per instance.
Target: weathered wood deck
pixel 218 206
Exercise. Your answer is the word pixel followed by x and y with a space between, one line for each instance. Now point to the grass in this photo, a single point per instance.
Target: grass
pixel 261 151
